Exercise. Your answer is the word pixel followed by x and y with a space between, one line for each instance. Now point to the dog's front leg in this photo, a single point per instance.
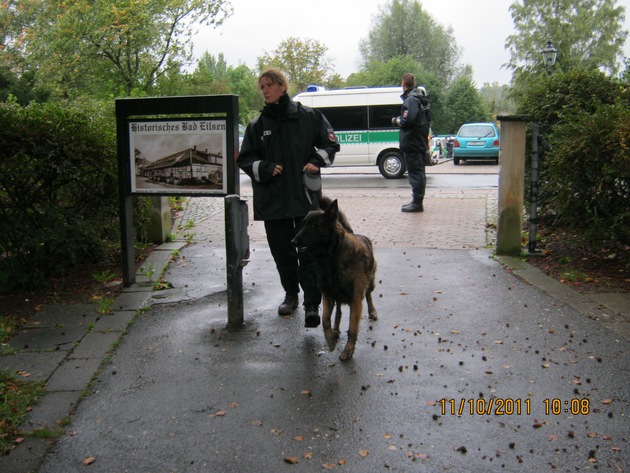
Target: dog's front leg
pixel 353 329
pixel 327 308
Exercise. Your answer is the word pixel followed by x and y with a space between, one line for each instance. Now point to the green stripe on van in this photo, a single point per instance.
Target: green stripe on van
pixel 365 137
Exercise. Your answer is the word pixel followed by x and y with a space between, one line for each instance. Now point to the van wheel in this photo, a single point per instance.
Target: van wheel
pixel 392 165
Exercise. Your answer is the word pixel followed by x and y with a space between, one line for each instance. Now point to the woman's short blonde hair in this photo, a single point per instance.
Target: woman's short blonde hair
pixel 276 77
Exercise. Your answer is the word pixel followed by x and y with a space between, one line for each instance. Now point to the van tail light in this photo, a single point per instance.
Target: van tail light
pixel 456 144
pixel 496 143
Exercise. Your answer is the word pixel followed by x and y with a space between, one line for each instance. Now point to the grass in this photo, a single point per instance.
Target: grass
pixel 16 400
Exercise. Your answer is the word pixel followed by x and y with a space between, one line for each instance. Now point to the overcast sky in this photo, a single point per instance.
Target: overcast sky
pixel 258 26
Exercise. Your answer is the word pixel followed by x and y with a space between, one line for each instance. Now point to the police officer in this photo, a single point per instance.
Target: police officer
pixel 285 141
pixel 414 123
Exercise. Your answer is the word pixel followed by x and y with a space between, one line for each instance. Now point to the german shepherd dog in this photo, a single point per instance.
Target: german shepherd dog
pixel 345 265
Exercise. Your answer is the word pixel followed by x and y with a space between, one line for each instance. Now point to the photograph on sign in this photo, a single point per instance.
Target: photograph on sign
pixel 178 156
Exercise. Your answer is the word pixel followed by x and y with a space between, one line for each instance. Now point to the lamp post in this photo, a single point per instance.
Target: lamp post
pixel 550 53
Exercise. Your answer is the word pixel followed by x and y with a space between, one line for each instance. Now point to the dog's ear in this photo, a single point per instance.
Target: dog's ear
pixel 332 211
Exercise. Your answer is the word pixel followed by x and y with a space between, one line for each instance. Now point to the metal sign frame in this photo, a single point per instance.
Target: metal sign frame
pixel 192 122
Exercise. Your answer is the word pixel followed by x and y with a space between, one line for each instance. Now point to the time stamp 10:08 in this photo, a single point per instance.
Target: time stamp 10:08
pixel 509 406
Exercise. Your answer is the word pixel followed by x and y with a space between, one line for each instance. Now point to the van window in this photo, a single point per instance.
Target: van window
pixel 356 118
pixel 381 115
pixel 346 118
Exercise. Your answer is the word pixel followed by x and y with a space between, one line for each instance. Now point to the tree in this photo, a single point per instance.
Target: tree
pixel 587 34
pixel 403 28
pixel 497 98
pixel 20 88
pixel 111 46
pixel 303 61
pixel 464 104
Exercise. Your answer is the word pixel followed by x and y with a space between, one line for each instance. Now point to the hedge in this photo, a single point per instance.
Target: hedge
pixel 58 190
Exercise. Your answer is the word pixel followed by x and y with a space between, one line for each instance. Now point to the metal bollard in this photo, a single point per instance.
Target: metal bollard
pixel 237 256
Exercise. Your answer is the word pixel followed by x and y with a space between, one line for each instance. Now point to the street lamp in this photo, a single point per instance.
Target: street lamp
pixel 550 53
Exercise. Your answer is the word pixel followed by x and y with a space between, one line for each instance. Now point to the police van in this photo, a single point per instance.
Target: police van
pixel 362 120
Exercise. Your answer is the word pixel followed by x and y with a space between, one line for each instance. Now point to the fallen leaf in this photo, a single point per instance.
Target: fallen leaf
pixel 299 438
pixel 553 438
pixel 329 466
pixel 387 436
pixel 292 460
pixel 89 460
pixel 257 422
pixel 233 405
pixel 591 434
pixel 454 332
pixel 308 455
pixel 364 453
pixel 607 401
pixel 24 374
pixel 342 462
pixel 277 431
pixel 392 447
pixel 217 414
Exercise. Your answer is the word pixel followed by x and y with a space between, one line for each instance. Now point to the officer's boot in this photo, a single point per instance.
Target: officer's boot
pixel 414 206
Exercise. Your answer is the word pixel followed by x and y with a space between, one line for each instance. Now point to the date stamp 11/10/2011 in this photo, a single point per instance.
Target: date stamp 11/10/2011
pixel 512 406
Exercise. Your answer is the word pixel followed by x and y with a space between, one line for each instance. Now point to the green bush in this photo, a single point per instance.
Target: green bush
pixel 590 167
pixel 58 189
pixel 585 174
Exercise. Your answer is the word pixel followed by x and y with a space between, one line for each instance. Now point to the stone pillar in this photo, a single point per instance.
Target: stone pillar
pixel 511 185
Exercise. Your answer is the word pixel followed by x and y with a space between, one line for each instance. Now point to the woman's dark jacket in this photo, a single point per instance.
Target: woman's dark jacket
pixel 290 134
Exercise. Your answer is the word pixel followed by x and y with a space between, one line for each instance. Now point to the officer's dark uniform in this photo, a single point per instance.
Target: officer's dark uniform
pixel 414 132
pixel 292 135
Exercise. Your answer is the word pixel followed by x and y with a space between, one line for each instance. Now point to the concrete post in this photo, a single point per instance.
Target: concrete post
pixel 511 185
pixel 237 256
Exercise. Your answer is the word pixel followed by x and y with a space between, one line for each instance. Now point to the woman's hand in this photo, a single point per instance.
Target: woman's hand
pixel 309 167
pixel 277 170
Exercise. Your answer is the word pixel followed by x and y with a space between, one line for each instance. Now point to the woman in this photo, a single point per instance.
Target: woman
pixel 285 141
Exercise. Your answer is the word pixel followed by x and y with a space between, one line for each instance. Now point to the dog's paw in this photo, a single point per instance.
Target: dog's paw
pixel 331 339
pixel 346 355
pixel 373 316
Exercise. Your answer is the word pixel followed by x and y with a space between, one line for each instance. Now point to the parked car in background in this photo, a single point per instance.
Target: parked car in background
pixel 476 141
